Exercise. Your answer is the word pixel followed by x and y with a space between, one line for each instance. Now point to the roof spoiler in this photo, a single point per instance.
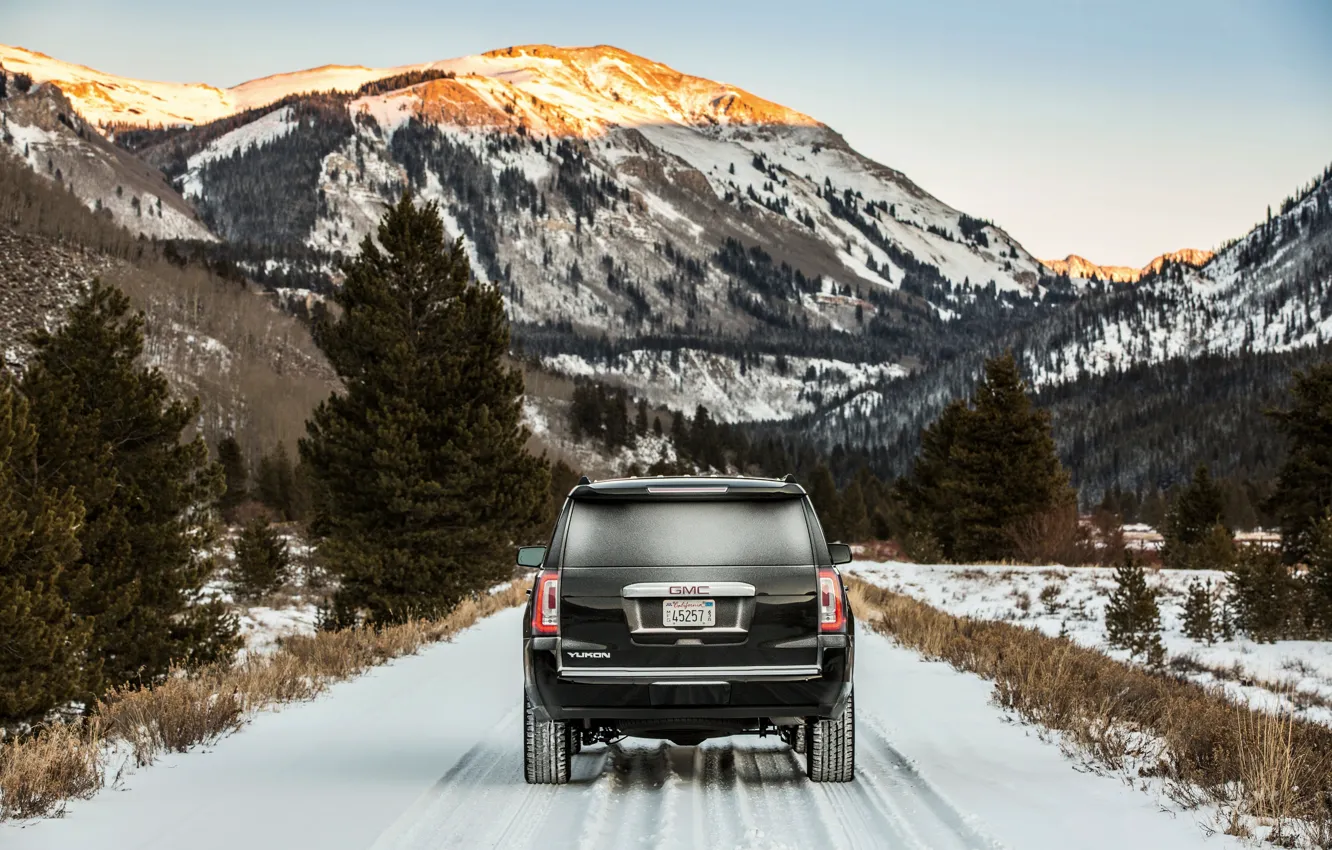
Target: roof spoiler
pixel 692 489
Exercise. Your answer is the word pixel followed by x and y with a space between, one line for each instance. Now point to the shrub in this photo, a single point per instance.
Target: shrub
pixel 1266 595
pixel 262 563
pixel 1054 537
pixel 39 772
pixel 1133 619
pixel 1049 597
pixel 1250 763
pixel 1199 612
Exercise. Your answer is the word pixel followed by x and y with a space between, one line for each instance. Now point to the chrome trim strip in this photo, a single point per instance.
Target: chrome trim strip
pixel 691 589
pixel 695 682
pixel 812 671
pixel 670 490
pixel 688 631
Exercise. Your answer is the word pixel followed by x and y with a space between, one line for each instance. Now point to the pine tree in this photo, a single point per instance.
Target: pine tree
pixel 262 563
pixel 109 430
pixel 984 469
pixel 1265 594
pixel 1199 613
pixel 563 478
pixel 679 427
pixel 827 504
pixel 1005 465
pixel 855 517
pixel 1194 531
pixel 1319 576
pixel 424 483
pixel 641 417
pixel 40 640
pixel 234 475
pixel 276 484
pixel 1303 493
pixel 930 531
pixel 1133 619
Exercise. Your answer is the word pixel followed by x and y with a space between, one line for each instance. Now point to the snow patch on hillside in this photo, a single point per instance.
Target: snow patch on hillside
pixel 61 157
pixel 688 377
pixel 589 457
pixel 1276 304
pixel 257 133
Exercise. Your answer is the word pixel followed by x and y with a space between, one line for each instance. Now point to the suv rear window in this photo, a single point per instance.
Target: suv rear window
pixel 663 533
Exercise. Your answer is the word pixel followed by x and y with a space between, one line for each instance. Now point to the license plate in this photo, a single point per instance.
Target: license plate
pixel 689 612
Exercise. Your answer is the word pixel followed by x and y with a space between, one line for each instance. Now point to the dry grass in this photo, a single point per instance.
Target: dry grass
pixel 40 772
pixel 1254 765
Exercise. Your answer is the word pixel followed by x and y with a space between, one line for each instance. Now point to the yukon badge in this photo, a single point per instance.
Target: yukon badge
pixel 573 654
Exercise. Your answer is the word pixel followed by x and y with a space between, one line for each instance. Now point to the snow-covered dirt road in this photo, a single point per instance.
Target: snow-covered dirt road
pixel 426 753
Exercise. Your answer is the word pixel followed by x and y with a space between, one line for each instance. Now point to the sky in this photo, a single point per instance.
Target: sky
pixel 1116 131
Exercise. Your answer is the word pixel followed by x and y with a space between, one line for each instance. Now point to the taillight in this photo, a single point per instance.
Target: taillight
pixel 832 616
pixel 546 605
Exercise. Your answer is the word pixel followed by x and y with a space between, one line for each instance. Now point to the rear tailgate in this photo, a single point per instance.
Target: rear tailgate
pixel 679 589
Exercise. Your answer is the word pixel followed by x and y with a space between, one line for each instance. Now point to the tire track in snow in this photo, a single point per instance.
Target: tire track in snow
pixel 729 793
pixel 888 782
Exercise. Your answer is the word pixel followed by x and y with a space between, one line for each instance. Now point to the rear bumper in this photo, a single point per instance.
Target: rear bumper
pixel 608 694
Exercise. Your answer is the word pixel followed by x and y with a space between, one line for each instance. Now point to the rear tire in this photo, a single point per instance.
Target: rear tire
pixel 545 749
pixel 799 737
pixel 575 739
pixel 831 746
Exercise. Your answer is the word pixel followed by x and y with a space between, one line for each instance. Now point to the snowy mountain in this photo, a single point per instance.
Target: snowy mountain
pixel 1270 291
pixel 1144 380
pixel 47 134
pixel 625 207
pixel 675 235
pixel 112 101
pixel 1084 269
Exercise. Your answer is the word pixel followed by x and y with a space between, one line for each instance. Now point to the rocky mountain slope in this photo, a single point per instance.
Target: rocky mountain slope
pixel 692 242
pixel 627 209
pixel 1146 379
pixel 253 367
pixel 1268 291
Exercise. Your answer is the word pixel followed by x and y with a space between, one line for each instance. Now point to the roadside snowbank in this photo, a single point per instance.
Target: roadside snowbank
pixel 1283 675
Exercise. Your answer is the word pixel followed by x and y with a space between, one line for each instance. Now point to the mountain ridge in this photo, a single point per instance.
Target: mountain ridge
pixel 686 156
pixel 685 248
pixel 1080 267
pixel 99 95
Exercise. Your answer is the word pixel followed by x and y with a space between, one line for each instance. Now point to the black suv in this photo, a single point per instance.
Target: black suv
pixel 685 609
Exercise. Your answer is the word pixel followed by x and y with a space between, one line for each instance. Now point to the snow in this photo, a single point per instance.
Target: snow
pixel 292 610
pixel 263 628
pixel 425 752
pixel 1219 309
pixel 107 98
pixel 598 94
pixel 1269 676
pixel 257 133
pixel 32 139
